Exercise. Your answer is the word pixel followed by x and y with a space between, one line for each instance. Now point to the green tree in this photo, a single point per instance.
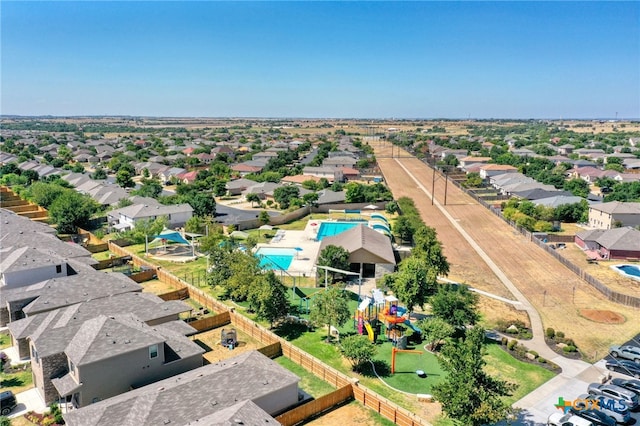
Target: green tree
pixel 263 217
pixel 427 247
pixel 71 210
pixel 99 174
pixel 194 225
pixel 146 228
pixel 269 299
pixel 330 307
pixel 335 257
pixel 404 228
pixel 468 394
pixel 473 180
pixel 284 194
pixel 203 204
pixel 252 198
pixel 150 188
pixel 414 282
pixel 358 350
pixel 124 178
pixel 455 304
pixel 435 330
pixel 577 187
pixel 310 199
pixel 44 194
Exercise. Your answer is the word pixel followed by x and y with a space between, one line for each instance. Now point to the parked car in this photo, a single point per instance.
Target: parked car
pixel 7 402
pixel 632 385
pixel 617 410
pixel 624 366
pixel 614 392
pixel 562 419
pixel 626 352
pixel 597 417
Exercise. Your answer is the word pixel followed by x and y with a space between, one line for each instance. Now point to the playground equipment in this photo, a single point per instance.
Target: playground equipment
pixel 366 316
pixel 229 338
pixel 393 315
pixel 394 351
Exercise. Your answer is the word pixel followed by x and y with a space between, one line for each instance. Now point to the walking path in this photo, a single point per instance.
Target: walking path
pixel 575 373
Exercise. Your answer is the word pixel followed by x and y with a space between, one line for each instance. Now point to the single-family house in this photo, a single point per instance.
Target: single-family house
pixel 614 214
pixel 236 186
pixel 247 389
pixel 339 162
pixel 332 174
pixel 244 169
pixel 126 217
pixel 468 161
pixel 107 355
pixel 488 170
pixel 619 243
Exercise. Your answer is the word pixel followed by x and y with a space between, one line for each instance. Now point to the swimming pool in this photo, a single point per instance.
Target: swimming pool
pixel 632 271
pixel 329 229
pixel 275 258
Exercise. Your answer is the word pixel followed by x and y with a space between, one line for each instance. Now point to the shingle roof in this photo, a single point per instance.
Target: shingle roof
pixel 146 306
pixel 180 399
pixel 363 243
pixel 617 207
pixel 620 239
pixel 109 336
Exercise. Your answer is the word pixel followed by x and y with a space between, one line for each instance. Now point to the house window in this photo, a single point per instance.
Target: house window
pixel 72 368
pixel 58 269
pixel 153 351
pixel 34 355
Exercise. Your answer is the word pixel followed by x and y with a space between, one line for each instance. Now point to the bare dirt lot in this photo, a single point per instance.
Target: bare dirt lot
pixel 210 340
pixel 557 293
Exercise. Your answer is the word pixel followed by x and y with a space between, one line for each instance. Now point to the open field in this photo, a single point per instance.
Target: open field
pixel 547 284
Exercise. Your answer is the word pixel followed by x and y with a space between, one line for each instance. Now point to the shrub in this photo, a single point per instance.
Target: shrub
pixel 551 333
pixel 5 421
pixel 534 353
pixel 504 341
pixel 570 342
pixel 512 344
pixel 559 335
pixel 541 360
pixel 569 348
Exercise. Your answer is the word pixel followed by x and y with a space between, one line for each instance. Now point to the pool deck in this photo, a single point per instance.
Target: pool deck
pixel 303 262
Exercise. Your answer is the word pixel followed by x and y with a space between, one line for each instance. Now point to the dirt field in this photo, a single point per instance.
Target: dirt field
pixel 556 292
pixel 606 317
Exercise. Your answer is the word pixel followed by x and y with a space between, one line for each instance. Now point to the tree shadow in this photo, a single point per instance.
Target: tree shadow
pixel 12 382
pixel 290 331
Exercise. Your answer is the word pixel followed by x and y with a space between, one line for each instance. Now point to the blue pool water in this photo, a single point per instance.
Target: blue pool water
pixel 632 270
pixel 275 258
pixel 329 229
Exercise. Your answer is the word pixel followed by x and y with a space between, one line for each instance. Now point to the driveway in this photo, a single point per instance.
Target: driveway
pixel 28 401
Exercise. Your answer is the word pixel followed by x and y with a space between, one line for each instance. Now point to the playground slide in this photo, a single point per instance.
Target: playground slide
pixel 413 327
pixel 369 330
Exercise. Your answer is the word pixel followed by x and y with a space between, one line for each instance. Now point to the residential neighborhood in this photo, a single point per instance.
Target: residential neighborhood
pixel 127 300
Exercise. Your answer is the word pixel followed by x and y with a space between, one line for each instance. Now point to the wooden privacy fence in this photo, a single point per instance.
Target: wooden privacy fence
pixel 209 323
pixel 112 262
pixel 143 276
pixel 316 406
pixel 610 294
pixel 273 350
pixel 274 343
pixel 180 294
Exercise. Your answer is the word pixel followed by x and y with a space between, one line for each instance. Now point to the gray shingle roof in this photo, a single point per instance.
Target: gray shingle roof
pixel 362 238
pixel 620 239
pixel 11 221
pixel 105 337
pixel 617 207
pixel 146 306
pixel 181 399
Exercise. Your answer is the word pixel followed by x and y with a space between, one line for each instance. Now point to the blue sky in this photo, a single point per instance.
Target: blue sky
pixel 322 59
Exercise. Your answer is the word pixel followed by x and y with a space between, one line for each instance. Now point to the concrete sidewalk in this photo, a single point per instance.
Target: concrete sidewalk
pixel 29 400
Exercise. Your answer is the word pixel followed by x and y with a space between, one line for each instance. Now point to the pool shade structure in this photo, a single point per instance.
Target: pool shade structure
pixel 298 250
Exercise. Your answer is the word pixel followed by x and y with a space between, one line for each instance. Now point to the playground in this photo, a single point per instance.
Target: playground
pixel 401 363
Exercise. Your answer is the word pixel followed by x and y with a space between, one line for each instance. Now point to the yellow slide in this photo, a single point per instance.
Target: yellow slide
pixel 367 326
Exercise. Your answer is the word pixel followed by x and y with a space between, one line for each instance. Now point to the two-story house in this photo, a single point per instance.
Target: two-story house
pixel 614 215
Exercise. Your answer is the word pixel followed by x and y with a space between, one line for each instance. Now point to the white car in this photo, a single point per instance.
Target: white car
pixel 561 419
pixel 615 409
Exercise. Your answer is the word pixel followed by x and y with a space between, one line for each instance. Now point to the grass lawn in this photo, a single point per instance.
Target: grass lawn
pixel 17 382
pixel 308 382
pixel 5 340
pixel 527 376
pixel 103 255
